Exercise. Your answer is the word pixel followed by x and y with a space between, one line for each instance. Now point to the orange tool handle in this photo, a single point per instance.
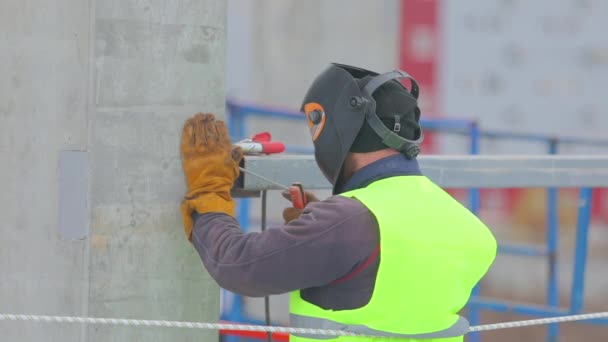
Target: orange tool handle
pixel 298 196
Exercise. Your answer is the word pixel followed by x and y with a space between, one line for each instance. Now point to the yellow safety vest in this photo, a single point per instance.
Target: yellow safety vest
pixel 433 252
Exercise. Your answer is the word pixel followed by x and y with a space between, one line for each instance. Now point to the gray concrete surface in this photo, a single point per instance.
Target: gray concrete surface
pixel 276 48
pixel 116 79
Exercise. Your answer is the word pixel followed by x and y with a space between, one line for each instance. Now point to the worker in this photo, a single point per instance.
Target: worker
pixel 389 254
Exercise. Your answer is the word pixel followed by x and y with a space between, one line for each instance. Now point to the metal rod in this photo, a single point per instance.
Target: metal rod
pixel 266 298
pixel 450 171
pixel 270 181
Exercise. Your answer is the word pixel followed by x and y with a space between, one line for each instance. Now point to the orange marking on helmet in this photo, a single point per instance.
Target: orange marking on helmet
pixel 315 127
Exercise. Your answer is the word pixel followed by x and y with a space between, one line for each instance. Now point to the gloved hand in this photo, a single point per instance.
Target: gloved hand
pixel 291 213
pixel 211 166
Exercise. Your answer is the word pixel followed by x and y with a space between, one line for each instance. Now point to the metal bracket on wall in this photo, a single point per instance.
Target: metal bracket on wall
pixel 73 195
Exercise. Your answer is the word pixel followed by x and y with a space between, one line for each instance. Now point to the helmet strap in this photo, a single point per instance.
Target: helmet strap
pixel 410 148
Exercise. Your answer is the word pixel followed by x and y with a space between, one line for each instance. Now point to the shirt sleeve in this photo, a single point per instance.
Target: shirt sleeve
pixel 330 239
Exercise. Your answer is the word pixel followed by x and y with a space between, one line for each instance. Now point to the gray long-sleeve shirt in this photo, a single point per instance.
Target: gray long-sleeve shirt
pixel 331 252
pixel 331 240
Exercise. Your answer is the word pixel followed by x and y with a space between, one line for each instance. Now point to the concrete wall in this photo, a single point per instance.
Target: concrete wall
pixel 287 43
pixel 114 79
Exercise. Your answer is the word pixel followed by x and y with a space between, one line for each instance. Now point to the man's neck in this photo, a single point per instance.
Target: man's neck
pixel 391 166
pixel 357 161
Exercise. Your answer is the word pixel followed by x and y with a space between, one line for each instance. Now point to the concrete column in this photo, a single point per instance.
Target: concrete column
pixel 92 99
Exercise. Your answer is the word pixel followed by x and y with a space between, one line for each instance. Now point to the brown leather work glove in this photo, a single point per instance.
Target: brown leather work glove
pixel 291 213
pixel 211 166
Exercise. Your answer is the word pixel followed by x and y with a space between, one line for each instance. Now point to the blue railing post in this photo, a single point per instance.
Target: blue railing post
pixel 552 247
pixel 474 205
pixel 475 137
pixel 580 251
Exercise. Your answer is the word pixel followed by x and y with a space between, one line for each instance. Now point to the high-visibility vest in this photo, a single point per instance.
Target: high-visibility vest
pixel 433 251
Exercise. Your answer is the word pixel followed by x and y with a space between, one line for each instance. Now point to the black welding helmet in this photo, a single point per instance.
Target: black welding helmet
pixel 341 112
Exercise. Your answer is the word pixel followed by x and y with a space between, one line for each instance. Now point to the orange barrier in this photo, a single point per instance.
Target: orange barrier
pixel 258 335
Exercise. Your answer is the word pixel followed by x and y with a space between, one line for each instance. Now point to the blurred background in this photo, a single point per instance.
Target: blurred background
pixel 526 72
pixel 94 93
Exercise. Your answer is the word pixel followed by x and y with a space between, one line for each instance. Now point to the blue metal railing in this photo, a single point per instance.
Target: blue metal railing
pixel 237 118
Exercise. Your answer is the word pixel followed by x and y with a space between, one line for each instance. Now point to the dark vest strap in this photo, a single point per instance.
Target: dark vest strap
pixel 358 270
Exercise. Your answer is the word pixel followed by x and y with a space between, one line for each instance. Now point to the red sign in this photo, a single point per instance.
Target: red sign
pixel 418 53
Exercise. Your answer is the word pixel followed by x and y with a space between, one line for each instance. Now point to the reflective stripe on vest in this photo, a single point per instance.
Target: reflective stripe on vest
pixel 433 251
pixel 459 328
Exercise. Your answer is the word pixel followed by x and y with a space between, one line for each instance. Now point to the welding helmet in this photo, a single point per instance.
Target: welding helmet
pixel 341 112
